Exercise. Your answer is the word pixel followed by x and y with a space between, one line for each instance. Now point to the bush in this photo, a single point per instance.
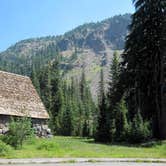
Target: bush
pixel 19 130
pixel 46 145
pixel 5 150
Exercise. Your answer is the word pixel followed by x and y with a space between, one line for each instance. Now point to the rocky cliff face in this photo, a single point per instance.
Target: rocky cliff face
pixel 97 36
pixel 90 45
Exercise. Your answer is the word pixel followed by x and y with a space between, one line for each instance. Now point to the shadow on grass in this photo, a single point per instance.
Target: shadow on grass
pixel 149 144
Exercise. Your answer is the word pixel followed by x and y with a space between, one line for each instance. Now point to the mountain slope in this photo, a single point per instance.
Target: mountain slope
pixel 90 45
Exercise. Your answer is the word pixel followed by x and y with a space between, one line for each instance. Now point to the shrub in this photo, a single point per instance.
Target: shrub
pixel 19 130
pixel 5 150
pixel 46 145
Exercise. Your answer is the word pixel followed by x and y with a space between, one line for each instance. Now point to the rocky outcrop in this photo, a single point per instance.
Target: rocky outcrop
pixel 40 126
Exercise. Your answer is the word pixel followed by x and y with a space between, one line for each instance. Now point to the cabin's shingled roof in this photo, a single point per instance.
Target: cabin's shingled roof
pixel 18 97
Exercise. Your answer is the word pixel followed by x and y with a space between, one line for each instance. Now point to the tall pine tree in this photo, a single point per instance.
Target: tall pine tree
pixel 102 133
pixel 142 62
pixel 112 106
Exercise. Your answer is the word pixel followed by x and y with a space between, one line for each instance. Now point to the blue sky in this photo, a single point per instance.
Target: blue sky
pixel 22 19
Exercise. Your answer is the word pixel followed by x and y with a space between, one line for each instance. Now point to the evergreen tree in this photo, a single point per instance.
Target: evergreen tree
pixel 75 101
pixel 83 85
pixel 142 62
pixel 85 130
pixel 163 76
pixel 114 73
pixel 35 80
pixel 67 125
pixel 87 107
pixel 45 86
pixel 121 122
pixel 102 134
pixel 56 96
pixel 114 77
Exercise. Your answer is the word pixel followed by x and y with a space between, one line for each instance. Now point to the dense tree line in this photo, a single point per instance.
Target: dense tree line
pixel 136 102
pixel 114 121
pixel 69 102
pixel 142 62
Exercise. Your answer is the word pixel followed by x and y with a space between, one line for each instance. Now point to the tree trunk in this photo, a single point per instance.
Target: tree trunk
pixel 163 98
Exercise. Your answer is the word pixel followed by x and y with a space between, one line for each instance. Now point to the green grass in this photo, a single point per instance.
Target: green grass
pixel 80 147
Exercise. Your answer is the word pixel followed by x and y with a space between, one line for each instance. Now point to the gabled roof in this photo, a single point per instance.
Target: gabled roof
pixel 18 97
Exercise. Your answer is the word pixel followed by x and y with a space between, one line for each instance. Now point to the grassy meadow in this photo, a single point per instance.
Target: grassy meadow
pixel 81 147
